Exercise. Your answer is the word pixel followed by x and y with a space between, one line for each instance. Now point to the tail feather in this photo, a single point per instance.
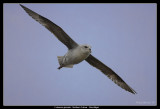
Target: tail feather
pixel 60 59
pixel 59 67
pixel 69 66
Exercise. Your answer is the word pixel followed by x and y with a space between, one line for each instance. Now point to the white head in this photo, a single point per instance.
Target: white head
pixel 85 49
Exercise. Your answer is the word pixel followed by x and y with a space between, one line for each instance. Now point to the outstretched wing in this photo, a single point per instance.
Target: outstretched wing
pixel 52 27
pixel 109 72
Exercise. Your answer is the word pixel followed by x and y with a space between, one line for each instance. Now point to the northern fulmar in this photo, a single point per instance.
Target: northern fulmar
pixel 76 53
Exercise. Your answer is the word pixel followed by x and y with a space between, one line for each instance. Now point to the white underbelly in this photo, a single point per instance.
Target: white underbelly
pixel 75 57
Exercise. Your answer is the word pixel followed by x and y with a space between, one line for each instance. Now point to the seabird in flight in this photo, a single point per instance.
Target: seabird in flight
pixel 76 53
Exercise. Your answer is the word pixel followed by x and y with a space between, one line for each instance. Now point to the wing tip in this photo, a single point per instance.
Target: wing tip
pixel 132 91
pixel 25 8
pixel 21 5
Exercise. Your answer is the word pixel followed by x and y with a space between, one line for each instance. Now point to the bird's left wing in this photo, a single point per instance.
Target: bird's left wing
pixel 109 72
pixel 52 27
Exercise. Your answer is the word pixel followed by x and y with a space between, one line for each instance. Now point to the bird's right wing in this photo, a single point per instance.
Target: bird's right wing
pixel 109 72
pixel 52 27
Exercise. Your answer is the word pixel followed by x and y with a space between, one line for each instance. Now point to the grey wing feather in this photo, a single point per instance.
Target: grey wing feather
pixel 52 27
pixel 109 72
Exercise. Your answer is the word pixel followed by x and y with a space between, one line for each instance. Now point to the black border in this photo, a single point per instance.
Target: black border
pixel 76 106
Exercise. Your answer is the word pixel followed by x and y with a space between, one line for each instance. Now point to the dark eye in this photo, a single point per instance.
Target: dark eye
pixel 85 47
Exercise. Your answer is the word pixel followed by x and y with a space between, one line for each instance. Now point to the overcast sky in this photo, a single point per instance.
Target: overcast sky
pixel 122 36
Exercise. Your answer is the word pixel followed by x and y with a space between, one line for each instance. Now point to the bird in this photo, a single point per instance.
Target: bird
pixel 76 52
